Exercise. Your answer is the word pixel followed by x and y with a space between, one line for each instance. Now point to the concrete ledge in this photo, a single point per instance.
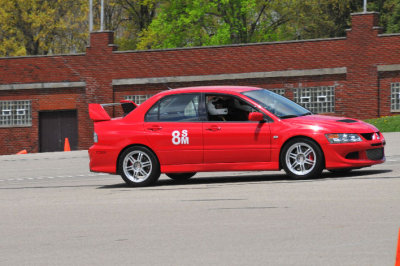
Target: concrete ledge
pixel 47 85
pixel 250 75
pixel 384 68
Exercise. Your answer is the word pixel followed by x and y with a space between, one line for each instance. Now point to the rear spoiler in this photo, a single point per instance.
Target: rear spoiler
pixel 97 112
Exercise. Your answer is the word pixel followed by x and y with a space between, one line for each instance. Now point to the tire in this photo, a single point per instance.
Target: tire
pixel 139 167
pixel 180 176
pixel 302 158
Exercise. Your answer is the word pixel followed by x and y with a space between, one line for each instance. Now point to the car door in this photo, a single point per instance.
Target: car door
pixel 174 129
pixel 228 135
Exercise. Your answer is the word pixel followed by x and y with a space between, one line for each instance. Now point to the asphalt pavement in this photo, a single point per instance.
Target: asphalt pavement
pixel 54 211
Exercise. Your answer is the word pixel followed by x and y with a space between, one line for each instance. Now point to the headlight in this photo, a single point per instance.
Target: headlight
pixel 343 138
pixel 95 138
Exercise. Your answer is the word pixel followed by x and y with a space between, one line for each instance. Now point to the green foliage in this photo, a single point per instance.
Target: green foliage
pixel 31 27
pixel 386 123
pixel 41 26
pixel 322 19
pixel 128 19
pixel 213 22
pixel 390 14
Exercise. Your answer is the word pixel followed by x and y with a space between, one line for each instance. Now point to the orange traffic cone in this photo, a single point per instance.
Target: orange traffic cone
pixel 22 152
pixel 66 145
pixel 398 252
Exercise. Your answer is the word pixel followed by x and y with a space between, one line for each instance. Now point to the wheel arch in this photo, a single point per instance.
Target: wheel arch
pixel 299 137
pixel 133 145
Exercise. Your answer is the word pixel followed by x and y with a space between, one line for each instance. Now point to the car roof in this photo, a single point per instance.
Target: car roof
pixel 210 89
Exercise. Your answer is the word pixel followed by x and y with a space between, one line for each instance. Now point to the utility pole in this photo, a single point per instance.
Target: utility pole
pixel 102 16
pixel 90 15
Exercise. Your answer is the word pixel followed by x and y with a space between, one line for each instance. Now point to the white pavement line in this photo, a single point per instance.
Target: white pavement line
pixel 53 177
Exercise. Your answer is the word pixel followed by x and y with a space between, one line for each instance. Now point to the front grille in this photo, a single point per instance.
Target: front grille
pixel 375 154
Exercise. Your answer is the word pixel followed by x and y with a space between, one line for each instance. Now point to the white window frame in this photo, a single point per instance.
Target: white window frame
pixel 138 98
pixel 316 99
pixel 395 97
pixel 16 113
pixel 281 92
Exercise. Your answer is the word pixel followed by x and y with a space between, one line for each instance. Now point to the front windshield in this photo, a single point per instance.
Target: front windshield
pixel 276 104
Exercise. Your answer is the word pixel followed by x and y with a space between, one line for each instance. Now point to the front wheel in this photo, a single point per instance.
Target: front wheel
pixel 139 167
pixel 180 176
pixel 302 158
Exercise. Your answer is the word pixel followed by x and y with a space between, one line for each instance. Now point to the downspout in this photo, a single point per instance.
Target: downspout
pixel 379 95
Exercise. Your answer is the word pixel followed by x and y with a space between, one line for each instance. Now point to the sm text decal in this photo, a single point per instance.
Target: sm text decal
pixel 180 138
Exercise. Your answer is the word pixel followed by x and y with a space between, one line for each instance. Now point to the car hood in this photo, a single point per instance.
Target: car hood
pixel 332 124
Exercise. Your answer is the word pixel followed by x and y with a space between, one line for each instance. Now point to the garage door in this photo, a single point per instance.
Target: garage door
pixel 54 127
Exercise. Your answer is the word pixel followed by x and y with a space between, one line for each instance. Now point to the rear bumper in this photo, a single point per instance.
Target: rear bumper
pixel 103 159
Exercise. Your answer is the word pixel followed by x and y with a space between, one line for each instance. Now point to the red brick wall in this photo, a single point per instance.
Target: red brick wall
pixel 357 91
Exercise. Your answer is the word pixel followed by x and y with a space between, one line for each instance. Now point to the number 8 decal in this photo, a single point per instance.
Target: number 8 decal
pixel 178 139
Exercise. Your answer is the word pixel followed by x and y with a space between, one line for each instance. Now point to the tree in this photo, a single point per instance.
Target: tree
pixel 37 27
pixel 34 27
pixel 321 19
pixel 127 18
pixel 137 16
pixel 211 22
pixel 389 14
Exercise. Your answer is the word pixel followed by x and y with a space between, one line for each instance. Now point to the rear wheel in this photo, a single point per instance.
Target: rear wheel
pixel 180 176
pixel 302 158
pixel 139 167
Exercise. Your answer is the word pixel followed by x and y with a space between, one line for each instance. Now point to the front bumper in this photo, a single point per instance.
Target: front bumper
pixel 354 155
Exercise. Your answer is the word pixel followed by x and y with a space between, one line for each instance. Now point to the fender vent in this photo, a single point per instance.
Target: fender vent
pixel 353 155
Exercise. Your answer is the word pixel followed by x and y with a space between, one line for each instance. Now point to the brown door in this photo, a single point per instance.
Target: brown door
pixel 54 127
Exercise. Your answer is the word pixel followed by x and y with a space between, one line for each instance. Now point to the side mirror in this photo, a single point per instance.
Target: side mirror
pixel 256 117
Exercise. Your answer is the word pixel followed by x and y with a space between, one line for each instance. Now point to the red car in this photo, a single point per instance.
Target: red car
pixel 226 128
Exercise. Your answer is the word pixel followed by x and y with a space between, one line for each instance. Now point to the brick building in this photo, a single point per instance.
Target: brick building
pixel 44 99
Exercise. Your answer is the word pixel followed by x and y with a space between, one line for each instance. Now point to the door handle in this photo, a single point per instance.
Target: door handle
pixel 213 128
pixel 154 128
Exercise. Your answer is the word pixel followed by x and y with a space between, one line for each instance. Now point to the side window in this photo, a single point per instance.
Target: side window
pixel 175 108
pixel 227 108
pixel 152 114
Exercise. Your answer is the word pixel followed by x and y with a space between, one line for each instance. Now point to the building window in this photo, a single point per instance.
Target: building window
pixel 281 92
pixel 138 99
pixel 395 97
pixel 316 99
pixel 15 113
